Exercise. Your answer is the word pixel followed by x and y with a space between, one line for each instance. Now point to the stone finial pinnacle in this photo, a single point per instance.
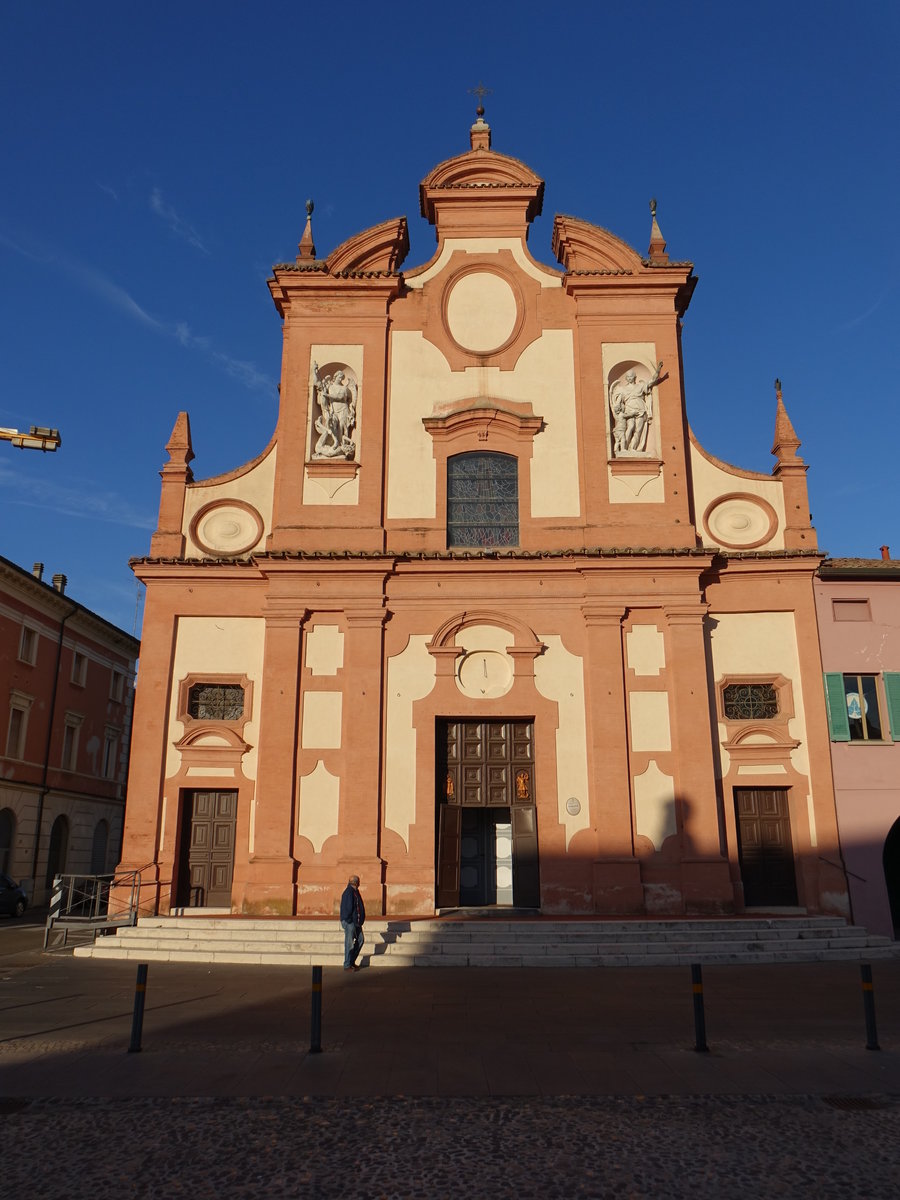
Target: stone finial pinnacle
pixel 786 443
pixel 180 448
pixel 307 246
pixel 657 251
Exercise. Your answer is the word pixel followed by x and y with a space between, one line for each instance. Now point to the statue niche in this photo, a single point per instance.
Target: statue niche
pixel 335 390
pixel 631 407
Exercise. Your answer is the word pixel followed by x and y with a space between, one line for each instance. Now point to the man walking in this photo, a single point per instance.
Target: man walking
pixel 353 916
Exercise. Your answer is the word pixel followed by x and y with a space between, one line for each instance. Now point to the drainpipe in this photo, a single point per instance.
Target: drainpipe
pixel 46 767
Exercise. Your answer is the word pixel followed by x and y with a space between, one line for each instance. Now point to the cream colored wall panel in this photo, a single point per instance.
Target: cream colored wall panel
pixel 654 805
pixel 421 379
pixel 324 650
pixel 219 646
pixel 811 813
pixel 712 482
pixel 762 644
pixel 762 769
pixel 330 490
pixel 321 726
pixel 318 805
pixel 559 676
pixel 212 772
pixel 417 367
pixel 545 375
pixel 256 487
pixel 650 726
pixel 645 649
pixel 162 824
pixel 410 677
pixel 545 276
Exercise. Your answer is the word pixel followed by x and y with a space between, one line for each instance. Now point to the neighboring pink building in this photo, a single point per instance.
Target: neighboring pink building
pixel 66 680
pixel 858 606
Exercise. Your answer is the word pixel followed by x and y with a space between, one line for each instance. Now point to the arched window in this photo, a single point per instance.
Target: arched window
pixel 99 847
pixel 482 500
pixel 59 846
pixel 7 833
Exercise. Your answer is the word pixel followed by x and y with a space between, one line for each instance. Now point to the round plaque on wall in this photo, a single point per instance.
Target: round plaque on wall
pixel 740 521
pixel 227 527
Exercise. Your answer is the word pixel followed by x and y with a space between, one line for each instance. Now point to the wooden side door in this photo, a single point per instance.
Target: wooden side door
pixel 210 819
pixel 765 847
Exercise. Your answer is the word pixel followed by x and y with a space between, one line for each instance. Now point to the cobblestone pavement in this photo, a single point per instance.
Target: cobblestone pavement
pixel 443 1083
pixel 399 1147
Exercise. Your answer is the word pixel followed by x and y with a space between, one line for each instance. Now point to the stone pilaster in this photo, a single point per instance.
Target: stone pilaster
pixel 706 884
pixel 272 868
pixel 616 872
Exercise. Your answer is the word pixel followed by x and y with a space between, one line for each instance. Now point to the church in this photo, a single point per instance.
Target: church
pixel 483 623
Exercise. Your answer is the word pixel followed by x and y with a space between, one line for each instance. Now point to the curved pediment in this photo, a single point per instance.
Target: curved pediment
pixel 581 246
pixel 482 169
pixel 380 249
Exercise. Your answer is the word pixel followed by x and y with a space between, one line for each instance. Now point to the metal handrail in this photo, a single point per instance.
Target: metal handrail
pixel 846 870
pixel 84 902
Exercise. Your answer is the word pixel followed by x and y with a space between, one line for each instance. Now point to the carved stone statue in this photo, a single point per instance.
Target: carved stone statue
pixel 631 403
pixel 336 396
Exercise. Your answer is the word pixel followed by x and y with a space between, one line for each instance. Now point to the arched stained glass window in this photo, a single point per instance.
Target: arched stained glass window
pixel 482 500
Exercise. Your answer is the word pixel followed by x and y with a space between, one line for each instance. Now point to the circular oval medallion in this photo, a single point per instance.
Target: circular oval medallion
pixel 481 311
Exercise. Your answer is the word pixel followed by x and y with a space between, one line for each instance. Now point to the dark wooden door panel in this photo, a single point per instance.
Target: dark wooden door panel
pixel 208 835
pixel 448 856
pixel 765 846
pixel 526 876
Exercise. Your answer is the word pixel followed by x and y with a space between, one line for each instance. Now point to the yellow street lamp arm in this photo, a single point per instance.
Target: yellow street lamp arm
pixel 38 437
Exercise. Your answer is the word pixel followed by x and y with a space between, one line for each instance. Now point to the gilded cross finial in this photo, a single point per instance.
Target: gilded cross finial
pixel 480 91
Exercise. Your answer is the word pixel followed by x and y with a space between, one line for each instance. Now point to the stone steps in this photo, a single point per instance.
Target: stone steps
pixel 494 942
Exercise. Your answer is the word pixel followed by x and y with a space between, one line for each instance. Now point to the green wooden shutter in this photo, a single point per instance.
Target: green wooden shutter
pixel 838 721
pixel 892 691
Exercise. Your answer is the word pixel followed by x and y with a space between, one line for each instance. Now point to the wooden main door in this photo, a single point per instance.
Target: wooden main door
pixel 207 849
pixel 765 847
pixel 485 809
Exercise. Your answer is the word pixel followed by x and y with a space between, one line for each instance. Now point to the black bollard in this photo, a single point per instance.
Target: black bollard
pixel 699 1016
pixel 868 992
pixel 315 1033
pixel 137 1020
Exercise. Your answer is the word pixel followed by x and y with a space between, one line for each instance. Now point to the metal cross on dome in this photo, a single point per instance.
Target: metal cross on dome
pixel 480 91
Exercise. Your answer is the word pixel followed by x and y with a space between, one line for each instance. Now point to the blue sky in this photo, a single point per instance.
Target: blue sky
pixel 156 159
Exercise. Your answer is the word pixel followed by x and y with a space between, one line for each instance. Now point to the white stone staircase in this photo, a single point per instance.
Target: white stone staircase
pixel 494 942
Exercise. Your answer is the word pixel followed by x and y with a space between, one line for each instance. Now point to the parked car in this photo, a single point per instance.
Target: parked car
pixel 13 898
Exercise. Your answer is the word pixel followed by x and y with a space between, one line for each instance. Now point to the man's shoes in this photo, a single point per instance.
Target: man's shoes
pixel 353 968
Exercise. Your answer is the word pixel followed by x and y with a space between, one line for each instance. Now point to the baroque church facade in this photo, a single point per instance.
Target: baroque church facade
pixel 483 623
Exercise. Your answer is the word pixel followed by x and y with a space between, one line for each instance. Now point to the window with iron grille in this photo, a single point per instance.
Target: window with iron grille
pixel 750 701
pixel 216 702
pixel 482 500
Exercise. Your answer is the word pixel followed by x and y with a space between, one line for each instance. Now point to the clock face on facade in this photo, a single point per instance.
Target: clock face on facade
pixel 484 673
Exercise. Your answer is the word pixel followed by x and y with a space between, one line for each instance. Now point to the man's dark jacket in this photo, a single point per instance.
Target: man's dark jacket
pixel 352 907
